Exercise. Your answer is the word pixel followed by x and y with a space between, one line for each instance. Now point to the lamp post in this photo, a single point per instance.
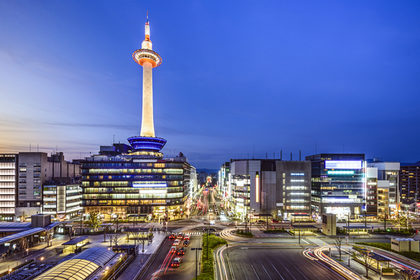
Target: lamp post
pixel 196 260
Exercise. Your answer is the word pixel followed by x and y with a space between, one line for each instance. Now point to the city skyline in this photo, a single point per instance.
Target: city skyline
pixel 238 81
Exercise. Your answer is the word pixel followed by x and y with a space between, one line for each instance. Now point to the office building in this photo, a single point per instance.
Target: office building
pixel 279 188
pixel 8 186
pixel 388 191
pixel 410 182
pixel 62 201
pixel 338 184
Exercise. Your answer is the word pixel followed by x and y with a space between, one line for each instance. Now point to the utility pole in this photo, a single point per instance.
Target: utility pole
pixel 196 261
pixel 299 231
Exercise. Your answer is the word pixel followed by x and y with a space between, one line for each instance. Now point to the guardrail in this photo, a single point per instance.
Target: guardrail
pixel 149 260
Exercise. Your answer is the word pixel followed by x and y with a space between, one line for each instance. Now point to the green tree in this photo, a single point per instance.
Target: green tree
pixel 94 221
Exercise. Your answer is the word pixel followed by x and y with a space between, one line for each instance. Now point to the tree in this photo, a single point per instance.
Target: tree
pixel 363 256
pixel 94 221
pixel 337 243
pixel 176 212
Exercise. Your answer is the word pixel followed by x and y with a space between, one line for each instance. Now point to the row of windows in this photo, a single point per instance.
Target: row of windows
pixel 131 196
pixel 136 171
pixel 123 202
pixel 141 177
pixel 133 164
pixel 127 190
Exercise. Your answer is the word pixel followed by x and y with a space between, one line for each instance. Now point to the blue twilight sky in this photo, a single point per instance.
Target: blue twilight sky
pixel 237 78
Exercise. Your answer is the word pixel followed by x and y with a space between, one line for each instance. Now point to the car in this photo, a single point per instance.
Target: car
pixel 181 251
pixel 286 221
pixel 176 242
pixel 187 237
pixel 173 249
pixel 186 243
pixel 261 222
pixel 180 235
pixel 176 262
pixel 171 236
pixel 275 221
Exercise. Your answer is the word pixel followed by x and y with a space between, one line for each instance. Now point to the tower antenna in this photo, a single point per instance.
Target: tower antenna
pixel 147 16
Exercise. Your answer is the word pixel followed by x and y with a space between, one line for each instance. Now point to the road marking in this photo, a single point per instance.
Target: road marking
pixel 305 241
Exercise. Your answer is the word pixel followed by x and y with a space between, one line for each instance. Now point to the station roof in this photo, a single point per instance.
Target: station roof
pixel 303 226
pixel 97 255
pixel 76 240
pixel 74 269
pixel 136 229
pixel 4 225
pixel 373 255
pixel 79 267
pixel 20 235
pixel 53 225
pixel 355 227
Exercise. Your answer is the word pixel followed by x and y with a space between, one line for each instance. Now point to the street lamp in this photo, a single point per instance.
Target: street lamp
pixel 196 260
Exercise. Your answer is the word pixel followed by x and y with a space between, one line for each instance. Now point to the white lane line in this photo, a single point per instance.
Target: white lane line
pixel 305 241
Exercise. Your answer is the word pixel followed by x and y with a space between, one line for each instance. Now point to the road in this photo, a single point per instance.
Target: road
pixel 275 262
pixel 160 268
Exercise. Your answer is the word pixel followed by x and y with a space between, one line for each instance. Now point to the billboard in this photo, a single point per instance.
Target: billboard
pixel 343 164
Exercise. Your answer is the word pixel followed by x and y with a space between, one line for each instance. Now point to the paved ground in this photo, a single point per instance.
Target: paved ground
pixel 275 262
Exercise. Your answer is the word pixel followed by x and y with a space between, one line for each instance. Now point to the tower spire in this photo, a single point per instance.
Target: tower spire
pixel 147 17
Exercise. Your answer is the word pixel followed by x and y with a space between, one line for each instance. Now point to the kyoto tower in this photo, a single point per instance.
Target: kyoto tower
pixel 147 144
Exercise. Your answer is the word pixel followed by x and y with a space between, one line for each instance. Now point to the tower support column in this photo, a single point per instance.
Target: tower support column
pixel 147 125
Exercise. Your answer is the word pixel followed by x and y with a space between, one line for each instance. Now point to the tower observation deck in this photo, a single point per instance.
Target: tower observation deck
pixel 147 144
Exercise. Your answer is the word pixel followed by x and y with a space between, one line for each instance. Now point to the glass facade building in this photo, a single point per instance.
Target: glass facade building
pixel 338 184
pixel 125 185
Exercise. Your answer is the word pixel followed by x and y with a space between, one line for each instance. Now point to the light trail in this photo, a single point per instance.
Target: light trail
pixel 346 273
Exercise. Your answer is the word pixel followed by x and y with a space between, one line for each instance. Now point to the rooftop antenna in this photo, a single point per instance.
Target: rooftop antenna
pixel 281 154
pixel 299 155
pixel 291 158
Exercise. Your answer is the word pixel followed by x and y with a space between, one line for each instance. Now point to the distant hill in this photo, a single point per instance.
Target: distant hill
pixel 208 171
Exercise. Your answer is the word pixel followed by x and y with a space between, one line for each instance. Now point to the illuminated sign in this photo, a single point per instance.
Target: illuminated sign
pixel 152 191
pixel 340 172
pixel 148 185
pixel 343 164
pixel 257 187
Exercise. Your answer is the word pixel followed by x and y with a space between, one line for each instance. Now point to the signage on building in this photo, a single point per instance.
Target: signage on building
pixel 343 164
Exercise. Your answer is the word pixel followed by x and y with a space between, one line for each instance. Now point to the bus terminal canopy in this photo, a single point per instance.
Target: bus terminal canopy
pixel 20 235
pixel 263 215
pixel 80 267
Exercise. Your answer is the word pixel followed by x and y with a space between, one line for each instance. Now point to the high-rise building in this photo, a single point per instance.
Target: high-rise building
pixel 410 182
pixel 22 177
pixel 137 180
pixel 388 182
pixel 8 186
pixel 279 188
pixel 338 184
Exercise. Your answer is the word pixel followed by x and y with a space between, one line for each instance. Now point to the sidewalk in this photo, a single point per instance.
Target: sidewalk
pixel 141 258
pixel 35 252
